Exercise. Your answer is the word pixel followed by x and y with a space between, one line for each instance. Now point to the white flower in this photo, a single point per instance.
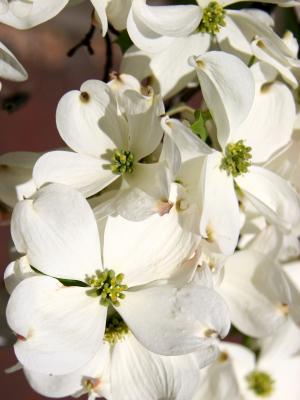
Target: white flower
pixel 63 242
pixel 165 58
pixel 10 68
pixel 236 375
pixel 108 145
pixel 257 292
pixel 209 186
pixel 244 149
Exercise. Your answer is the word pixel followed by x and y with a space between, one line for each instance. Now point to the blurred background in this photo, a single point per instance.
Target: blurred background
pixel 27 109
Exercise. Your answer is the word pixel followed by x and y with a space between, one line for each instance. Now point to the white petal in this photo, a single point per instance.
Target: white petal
pixel 36 12
pixel 143 116
pixel 136 63
pixel 16 272
pixel 231 33
pixel 220 219
pixel 46 228
pixel 54 339
pixel 252 312
pixel 264 50
pixel 189 144
pixel 228 89
pixel 117 12
pixel 177 21
pixel 269 241
pixel 291 42
pixel 3 6
pixel 87 120
pixel 223 383
pixel 152 28
pixel 100 8
pixel 135 205
pixel 71 384
pixel 292 273
pixel 283 344
pixel 174 76
pixel 154 179
pixel 171 154
pixel 272 196
pixel 143 37
pixel 286 376
pixel 15 176
pixel 178 321
pixel 148 376
pixel 136 258
pixel 119 83
pixel 270 123
pixel 10 68
pixel 87 174
pixel 241 358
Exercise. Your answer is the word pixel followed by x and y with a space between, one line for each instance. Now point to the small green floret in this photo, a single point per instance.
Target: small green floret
pixel 260 383
pixel 122 162
pixel 213 18
pixel 115 329
pixel 107 286
pixel 237 159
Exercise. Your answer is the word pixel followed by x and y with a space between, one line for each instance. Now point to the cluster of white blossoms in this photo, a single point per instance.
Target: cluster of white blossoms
pixel 160 228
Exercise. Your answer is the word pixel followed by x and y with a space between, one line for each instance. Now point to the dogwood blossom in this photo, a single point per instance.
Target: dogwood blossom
pixel 241 148
pixel 108 145
pixel 246 33
pixel 180 326
pixel 274 375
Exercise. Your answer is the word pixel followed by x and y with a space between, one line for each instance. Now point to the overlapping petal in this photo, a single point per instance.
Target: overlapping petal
pixel 228 89
pixel 58 232
pixel 23 15
pixel 54 339
pixel 181 326
pixel 272 196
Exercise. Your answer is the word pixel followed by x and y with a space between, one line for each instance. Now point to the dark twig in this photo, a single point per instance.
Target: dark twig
pixel 109 58
pixel 86 42
pixel 113 30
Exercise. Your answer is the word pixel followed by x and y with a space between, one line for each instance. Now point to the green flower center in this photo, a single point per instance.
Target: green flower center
pixel 237 159
pixel 260 383
pixel 115 330
pixel 213 18
pixel 108 286
pixel 122 162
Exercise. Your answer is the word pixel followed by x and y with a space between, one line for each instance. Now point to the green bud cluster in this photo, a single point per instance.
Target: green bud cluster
pixel 237 158
pixel 115 329
pixel 108 286
pixel 213 18
pixel 122 162
pixel 260 383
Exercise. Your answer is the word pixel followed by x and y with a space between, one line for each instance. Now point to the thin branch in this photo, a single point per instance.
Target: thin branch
pixel 113 30
pixel 85 42
pixel 109 58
